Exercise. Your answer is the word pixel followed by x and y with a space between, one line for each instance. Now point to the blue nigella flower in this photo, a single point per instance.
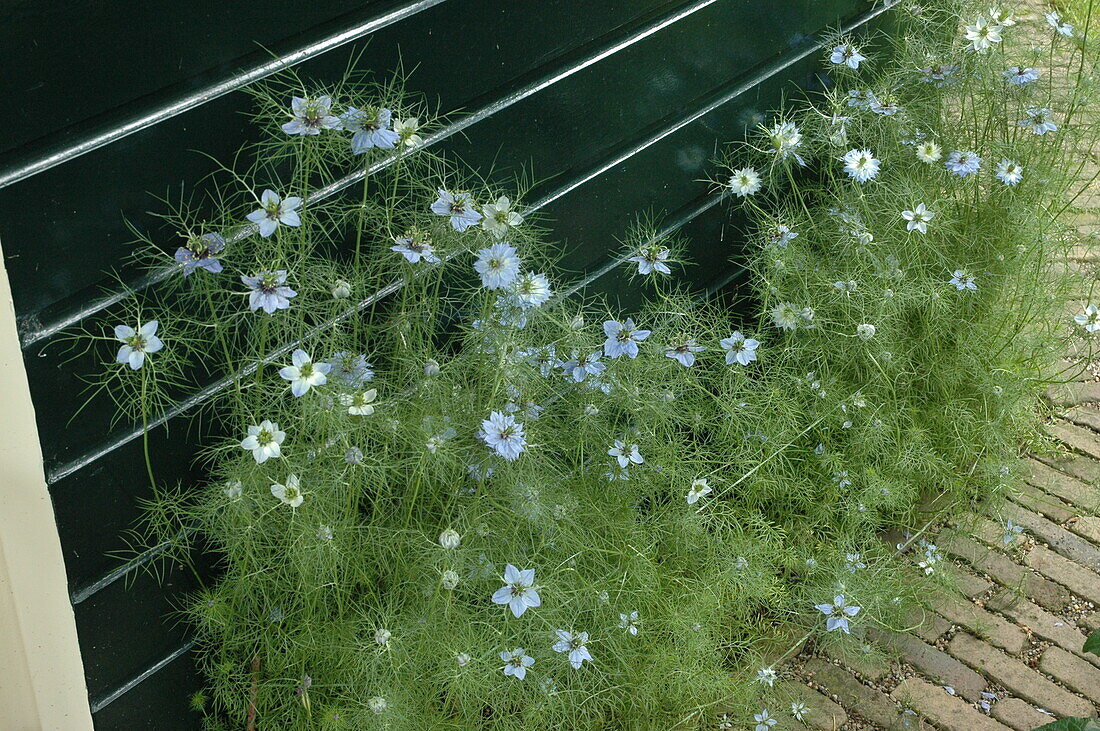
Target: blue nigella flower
pixel 622 338
pixel 199 254
pixel 269 291
pixel 371 127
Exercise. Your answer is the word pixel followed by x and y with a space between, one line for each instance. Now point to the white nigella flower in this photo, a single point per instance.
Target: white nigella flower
pixel 264 440
pixel 415 246
pixel 625 454
pixel 932 556
pixel 532 290
pixel 739 349
pixel 764 722
pixel 786 316
pixel 963 163
pixel 745 181
pixel 725 723
pixel 929 152
pixel 310 116
pixel 580 367
pixel 622 338
pixel 652 260
pixel 837 614
pixel 498 265
pixel 450 539
pixel 1008 172
pixel 918 218
pixel 136 344
pixel 684 353
pixel 786 139
pixel 303 373
pixel 866 331
pixel 629 622
pixel 766 676
pixel 449 580
pixel 1089 319
pixel 574 644
pixel 234 489
pixel 1038 121
pixel 519 591
pixel 847 55
pixel 962 280
pixel 499 217
pixel 982 35
pixel 377 704
pixel 799 710
pixel 516 662
pixel 290 493
pixel 382 636
pixel 274 211
pixel 407 130
pixel 361 403
pixel 1000 16
pixel 1054 19
pixel 860 165
pixel 463 659
pixel 1021 75
pixel 504 435
pixel 699 489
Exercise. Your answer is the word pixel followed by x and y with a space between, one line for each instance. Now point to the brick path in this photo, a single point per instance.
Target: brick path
pixel 1004 651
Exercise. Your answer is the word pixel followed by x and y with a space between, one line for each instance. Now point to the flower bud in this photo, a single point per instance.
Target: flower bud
pixel 341 290
pixel 431 368
pixel 450 539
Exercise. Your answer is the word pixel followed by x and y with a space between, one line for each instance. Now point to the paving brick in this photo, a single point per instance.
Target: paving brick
pixel 926 625
pixel 1081 581
pixel 996 630
pixel 968 584
pixel 1072 394
pixel 934 664
pixel 821 712
pixel 1061 540
pixel 1091 621
pixel 1072 671
pixel 1087 417
pixel 1083 468
pixel 1068 487
pixel 1075 437
pixel 1017 677
pixel 1006 571
pixel 1088 527
pixel 869 665
pixel 943 708
pixel 1019 714
pixel 1042 502
pixel 1058 630
pixel 871 704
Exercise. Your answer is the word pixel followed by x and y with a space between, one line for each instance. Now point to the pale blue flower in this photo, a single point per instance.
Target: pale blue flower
pixel 622 338
pixel 1011 532
pixel 739 349
pixel 629 622
pixel 499 266
pixel 269 291
pixel 580 366
pixel 353 456
pixel 1038 121
pixel 939 74
pixel 371 127
pixel 1021 76
pixel 531 290
pixel 274 211
pixel 962 280
pixel 652 259
pixel 574 644
pixel 499 217
pixel 624 454
pixel 503 434
pixel 764 722
pixel 303 373
pixel 854 562
pixel 1054 20
pixel 1009 172
pixel 310 116
pixel 847 55
pixel 460 208
pixel 415 246
pixel 351 369
pixel 781 235
pixel 136 344
pixel 684 353
pixel 516 662
pixel 767 676
pixel 963 163
pixel 199 254
pixel 918 218
pixel 837 614
pixel 519 591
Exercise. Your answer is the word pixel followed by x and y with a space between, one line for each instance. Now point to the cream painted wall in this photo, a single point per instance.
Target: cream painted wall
pixel 41 675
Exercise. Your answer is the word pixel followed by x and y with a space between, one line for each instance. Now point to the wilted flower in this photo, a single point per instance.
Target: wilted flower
pixel 1000 16
pixel 359 403
pixel 353 455
pixel 199 253
pixel 463 659
pixel 1038 121
pixel 781 235
pixel 460 208
pixel 377 705
pixel 310 116
pixel 860 165
pixel 837 614
pixel 847 55
pixel 498 265
pixel 137 343
pixel 699 489
pixel 739 349
pixel 290 493
pixel 269 291
pixel 264 440
pixel 622 338
pixel 351 369
pixel 519 591
pixel 449 580
pixel 745 181
pixel 503 434
pixel 341 289
pixel 1008 172
pixel 234 489
pixel 574 644
pixel 918 218
pixel 274 211
pixel 382 636
pixel 499 217
pixel 786 316
pixel 414 246
pixel 516 662
pixel 939 74
pixel 684 353
pixel 371 126
pixel 1089 319
pixel 303 373
pixel 963 163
